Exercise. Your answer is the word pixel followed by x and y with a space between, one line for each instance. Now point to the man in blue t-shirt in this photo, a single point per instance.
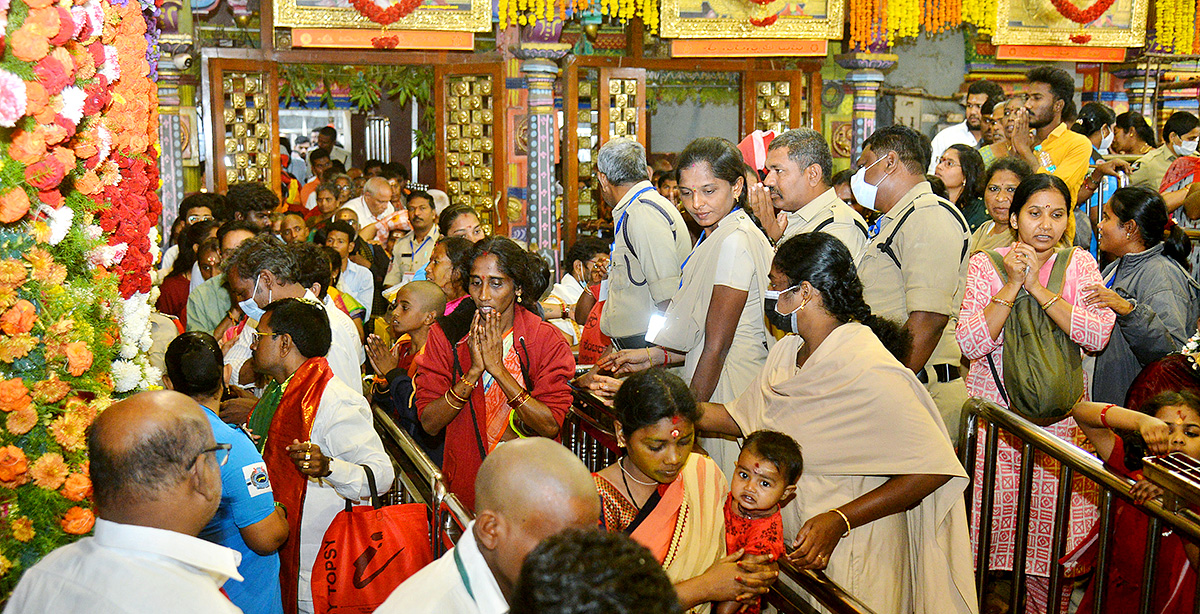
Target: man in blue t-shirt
pixel 247 519
pixel 247 503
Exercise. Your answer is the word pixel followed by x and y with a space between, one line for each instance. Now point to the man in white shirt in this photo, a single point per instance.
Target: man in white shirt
pixel 290 345
pixel 969 130
pixel 353 279
pixel 263 270
pixel 374 206
pixel 156 481
pixel 526 491
pixel 411 252
pixel 798 185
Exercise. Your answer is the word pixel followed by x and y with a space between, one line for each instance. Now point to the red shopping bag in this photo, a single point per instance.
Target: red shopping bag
pixel 367 552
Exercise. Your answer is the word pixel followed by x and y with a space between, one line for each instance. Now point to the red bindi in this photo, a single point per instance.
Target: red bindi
pixel 674 419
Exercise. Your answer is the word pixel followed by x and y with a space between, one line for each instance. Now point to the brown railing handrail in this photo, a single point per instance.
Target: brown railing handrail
pixel 1184 520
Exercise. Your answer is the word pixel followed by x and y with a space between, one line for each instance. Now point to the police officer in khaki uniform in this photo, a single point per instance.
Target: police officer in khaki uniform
pixel 913 269
pixel 799 169
pixel 650 244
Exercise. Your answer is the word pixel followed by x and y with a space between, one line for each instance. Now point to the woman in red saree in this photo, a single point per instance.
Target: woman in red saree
pixel 1180 188
pixel 671 499
pixel 493 370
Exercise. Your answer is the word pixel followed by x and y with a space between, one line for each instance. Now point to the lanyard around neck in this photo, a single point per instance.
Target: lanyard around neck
pixel 462 573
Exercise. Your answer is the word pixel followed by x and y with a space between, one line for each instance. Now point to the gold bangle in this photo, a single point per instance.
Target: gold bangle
pixel 848 527
pixel 1000 301
pixel 451 403
pixel 519 400
pixel 455 395
pixel 1050 302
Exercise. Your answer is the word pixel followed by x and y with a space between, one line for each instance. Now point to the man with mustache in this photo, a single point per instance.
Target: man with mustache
pixel 411 252
pixel 799 167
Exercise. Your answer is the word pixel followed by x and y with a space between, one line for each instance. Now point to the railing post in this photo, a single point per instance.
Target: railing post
pixel 967 440
pixel 1021 539
pixel 1150 562
pixel 984 557
pixel 1062 519
pixel 1100 577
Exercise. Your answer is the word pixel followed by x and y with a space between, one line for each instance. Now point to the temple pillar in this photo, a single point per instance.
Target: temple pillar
pixel 865 78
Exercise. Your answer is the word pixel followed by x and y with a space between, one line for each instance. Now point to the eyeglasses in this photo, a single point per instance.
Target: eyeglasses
pixel 220 452
pixel 258 336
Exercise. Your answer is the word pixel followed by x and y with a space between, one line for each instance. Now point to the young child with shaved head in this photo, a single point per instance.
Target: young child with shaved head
pixel 417 306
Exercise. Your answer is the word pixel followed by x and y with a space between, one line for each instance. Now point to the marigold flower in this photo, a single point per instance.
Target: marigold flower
pixel 77 487
pixel 49 471
pixel 14 395
pixel 5 565
pixel 79 358
pixel 19 318
pixel 27 147
pixel 22 529
pixel 13 466
pixel 78 521
pixel 29 46
pixel 14 204
pixel 69 431
pixel 17 346
pixel 21 421
pixel 50 390
pixel 8 297
pixel 12 273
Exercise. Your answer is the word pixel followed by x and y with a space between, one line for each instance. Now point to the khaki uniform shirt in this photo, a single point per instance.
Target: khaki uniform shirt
pixel 649 248
pixel 847 225
pixel 1148 170
pixel 929 246
pixel 409 256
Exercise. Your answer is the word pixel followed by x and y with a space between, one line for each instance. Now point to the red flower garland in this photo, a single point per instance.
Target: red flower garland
pixel 394 13
pixel 1070 11
pixel 385 42
pixel 1081 39
pixel 765 21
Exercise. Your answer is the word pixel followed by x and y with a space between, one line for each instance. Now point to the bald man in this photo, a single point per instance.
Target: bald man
pixel 156 477
pixel 526 491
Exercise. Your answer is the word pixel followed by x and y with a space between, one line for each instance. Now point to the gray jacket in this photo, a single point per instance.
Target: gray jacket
pixel 1166 304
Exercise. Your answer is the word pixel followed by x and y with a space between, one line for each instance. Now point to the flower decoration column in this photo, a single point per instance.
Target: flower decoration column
pixel 865 77
pixel 78 132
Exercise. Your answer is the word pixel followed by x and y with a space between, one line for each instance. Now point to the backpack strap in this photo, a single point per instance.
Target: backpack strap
pixel 1059 272
pixel 886 246
pixel 998 263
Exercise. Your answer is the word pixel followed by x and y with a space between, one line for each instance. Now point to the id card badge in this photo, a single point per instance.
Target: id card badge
pixel 1123 179
pixel 655 326
pixel 603 292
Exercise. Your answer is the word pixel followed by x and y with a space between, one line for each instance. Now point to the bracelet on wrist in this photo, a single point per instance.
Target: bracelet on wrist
pixel 999 301
pixel 447 396
pixel 1047 304
pixel 519 400
pixel 515 424
pixel 848 527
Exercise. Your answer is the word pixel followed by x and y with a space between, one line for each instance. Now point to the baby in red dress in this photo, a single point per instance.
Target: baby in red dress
pixel 766 473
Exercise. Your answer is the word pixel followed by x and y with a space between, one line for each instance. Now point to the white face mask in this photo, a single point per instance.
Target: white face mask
pixel 250 306
pixel 864 193
pixel 1106 142
pixel 1186 148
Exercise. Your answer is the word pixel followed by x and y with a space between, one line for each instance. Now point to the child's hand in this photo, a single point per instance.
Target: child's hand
pixel 1156 433
pixel 1144 491
pixel 382 358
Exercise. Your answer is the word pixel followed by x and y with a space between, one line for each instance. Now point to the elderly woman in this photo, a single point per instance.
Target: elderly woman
pixel 1000 183
pixel 448 259
pixel 880 504
pixel 671 499
pixel 1039 215
pixel 493 370
pixel 1156 301
pixel 714 324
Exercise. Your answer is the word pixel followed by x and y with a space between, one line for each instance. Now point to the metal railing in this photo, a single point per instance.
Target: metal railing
pixel 1034 441
pixel 588 432
pixel 418 480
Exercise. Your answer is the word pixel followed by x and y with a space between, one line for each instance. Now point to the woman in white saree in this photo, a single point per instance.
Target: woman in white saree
pixel 880 504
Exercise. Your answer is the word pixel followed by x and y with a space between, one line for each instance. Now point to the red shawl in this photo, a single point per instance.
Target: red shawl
pixel 1183 172
pixel 293 421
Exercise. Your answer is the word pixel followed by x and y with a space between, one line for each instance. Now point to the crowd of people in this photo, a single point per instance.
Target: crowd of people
pixel 787 352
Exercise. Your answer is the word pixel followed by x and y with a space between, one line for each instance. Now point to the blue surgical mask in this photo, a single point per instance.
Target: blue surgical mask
pixel 250 306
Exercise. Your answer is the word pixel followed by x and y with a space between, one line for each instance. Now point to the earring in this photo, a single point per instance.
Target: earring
pixel 518 296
